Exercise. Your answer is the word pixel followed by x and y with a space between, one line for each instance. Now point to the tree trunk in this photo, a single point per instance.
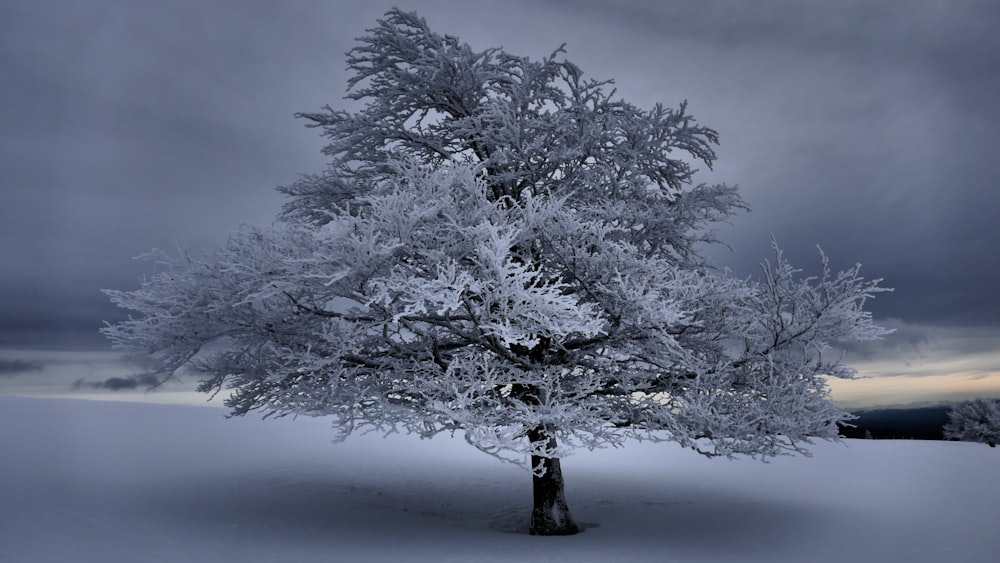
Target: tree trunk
pixel 550 514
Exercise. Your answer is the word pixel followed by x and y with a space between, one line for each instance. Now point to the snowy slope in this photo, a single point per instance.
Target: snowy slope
pixel 87 481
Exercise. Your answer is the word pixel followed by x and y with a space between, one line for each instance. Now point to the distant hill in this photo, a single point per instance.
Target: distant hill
pixel 923 423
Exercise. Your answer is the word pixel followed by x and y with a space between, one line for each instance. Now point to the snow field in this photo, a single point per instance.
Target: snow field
pixel 87 481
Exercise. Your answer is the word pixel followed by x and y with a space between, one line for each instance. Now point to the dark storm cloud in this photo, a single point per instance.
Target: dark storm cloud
pixel 118 383
pixel 868 128
pixel 128 126
pixel 12 367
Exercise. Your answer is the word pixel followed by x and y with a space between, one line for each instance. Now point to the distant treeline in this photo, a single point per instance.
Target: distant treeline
pixel 922 423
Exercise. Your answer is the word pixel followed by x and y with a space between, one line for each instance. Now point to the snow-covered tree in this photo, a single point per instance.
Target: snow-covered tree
pixel 503 248
pixel 977 420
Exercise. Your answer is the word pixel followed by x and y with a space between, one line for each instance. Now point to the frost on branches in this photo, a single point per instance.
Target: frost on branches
pixel 503 248
pixel 977 420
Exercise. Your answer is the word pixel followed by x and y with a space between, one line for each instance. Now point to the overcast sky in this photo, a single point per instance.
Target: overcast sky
pixel 867 127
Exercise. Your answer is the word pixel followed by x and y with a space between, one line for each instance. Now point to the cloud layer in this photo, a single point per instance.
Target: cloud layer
pixel 868 128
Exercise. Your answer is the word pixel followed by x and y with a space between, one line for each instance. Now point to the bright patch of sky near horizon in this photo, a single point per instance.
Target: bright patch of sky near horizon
pixel 938 378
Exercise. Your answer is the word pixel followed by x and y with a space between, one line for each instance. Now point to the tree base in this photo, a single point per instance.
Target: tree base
pixel 548 524
pixel 550 514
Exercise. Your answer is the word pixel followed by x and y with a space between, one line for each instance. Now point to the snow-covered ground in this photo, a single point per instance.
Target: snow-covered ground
pixel 89 481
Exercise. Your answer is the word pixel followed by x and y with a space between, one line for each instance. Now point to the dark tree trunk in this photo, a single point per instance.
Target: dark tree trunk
pixel 550 514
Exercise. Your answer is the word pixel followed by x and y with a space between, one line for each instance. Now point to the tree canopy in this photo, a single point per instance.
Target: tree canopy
pixel 977 420
pixel 502 247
